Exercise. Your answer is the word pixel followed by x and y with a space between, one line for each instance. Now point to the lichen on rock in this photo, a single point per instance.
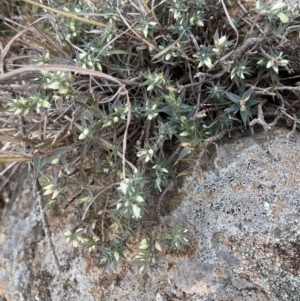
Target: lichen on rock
pixel 247 220
pixel 246 238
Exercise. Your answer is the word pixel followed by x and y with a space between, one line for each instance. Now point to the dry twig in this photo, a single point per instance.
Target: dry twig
pixel 38 192
pixel 294 126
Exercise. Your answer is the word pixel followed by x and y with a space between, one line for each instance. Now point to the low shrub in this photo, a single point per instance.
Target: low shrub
pixel 116 99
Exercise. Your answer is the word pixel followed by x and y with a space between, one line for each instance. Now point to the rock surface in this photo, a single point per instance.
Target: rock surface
pixel 244 217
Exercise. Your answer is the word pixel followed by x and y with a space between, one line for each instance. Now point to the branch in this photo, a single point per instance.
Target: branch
pixel 260 119
pixel 38 192
pixel 248 43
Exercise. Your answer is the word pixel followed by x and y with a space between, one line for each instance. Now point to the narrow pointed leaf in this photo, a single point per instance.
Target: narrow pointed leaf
pixel 244 117
pixel 136 211
pixel 233 97
pixel 183 153
pixel 252 102
pixel 234 108
pixel 247 94
pixel 157 246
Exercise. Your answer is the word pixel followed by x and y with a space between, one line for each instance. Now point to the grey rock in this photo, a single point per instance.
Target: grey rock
pixel 159 297
pixel 244 224
pixel 246 216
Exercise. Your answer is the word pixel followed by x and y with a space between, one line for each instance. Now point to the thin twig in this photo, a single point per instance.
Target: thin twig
pixel 150 45
pixel 7 168
pixel 89 205
pixel 260 119
pixel 289 88
pixel 279 116
pixel 103 217
pixel 7 178
pixel 158 205
pixel 261 91
pixel 217 157
pixel 248 43
pixel 247 13
pixel 208 142
pixel 294 126
pixel 165 50
pixel 64 68
pixel 5 50
pixel 66 14
pixel 38 192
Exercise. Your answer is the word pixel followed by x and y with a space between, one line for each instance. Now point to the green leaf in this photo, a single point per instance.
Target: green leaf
pixel 168 56
pixel 116 256
pixel 276 7
pixel 37 165
pixel 184 152
pixel 144 244
pixel 244 116
pixel 55 161
pixel 283 18
pixel 50 205
pixel 247 94
pixel 136 211
pixel 142 268
pixel 55 194
pixel 249 112
pixel 54 85
pixel 233 97
pixel 269 64
pixel 251 102
pixel 79 231
pixel 60 151
pixel 68 233
pixel 139 199
pixel 168 110
pixel 233 108
pixel 185 108
pixel 157 246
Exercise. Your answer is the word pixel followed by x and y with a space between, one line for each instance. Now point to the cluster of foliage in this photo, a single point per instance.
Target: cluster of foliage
pixel 127 93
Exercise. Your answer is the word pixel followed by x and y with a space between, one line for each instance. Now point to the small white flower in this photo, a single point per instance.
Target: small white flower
pixel 283 18
pixel 270 64
pixel 84 134
pixel 54 85
pixel 184 134
pixel 55 161
pixel 136 211
pixel 144 244
pixel 221 41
